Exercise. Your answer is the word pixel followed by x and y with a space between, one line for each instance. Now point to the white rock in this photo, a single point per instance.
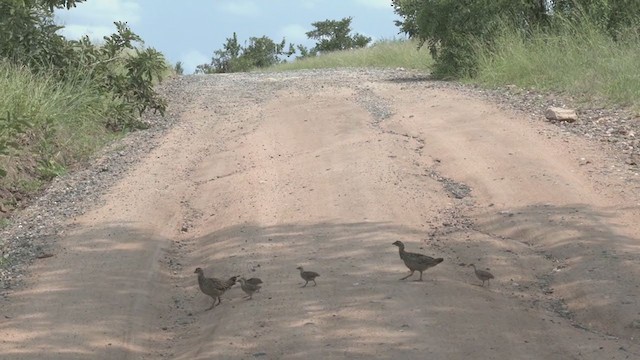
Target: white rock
pixel 556 113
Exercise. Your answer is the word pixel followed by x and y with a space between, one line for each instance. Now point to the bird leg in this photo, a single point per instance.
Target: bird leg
pixel 219 300
pixel 420 276
pixel 305 283
pixel 314 282
pixel 412 271
pixel 212 305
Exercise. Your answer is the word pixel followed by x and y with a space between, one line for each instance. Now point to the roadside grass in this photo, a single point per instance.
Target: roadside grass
pixel 572 58
pixel 382 54
pixel 66 125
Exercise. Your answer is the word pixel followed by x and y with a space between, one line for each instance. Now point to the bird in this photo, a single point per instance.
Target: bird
pixel 482 275
pixel 248 287
pixel 308 276
pixel 228 285
pixel 213 287
pixel 254 281
pixel 416 261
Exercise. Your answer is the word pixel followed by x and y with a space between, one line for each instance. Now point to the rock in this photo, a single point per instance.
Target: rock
pixel 560 114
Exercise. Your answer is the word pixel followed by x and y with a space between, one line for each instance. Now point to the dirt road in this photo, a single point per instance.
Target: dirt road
pixel 264 173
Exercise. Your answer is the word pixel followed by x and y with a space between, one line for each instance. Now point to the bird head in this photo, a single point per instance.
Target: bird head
pixel 398 243
pixel 300 268
pixel 198 271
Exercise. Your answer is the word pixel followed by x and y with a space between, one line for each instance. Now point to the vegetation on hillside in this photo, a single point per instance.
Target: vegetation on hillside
pixel 588 49
pixel 61 99
pixel 263 52
pixel 233 57
pixel 382 54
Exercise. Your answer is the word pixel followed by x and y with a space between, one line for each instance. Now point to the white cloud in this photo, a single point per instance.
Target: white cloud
pixel 192 59
pixel 94 17
pixel 94 32
pixel 294 33
pixel 378 4
pixel 240 7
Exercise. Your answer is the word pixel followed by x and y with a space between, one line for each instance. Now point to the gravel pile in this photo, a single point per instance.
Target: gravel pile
pixel 32 232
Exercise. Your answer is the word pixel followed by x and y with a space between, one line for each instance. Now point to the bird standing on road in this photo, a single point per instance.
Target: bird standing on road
pixel 213 287
pixel 482 275
pixel 254 281
pixel 416 262
pixel 248 287
pixel 308 276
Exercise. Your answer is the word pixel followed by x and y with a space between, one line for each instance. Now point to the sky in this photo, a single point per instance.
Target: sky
pixel 191 30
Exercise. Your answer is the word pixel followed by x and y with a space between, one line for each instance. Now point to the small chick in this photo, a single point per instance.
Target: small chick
pixel 308 276
pixel 482 274
pixel 254 281
pixel 248 288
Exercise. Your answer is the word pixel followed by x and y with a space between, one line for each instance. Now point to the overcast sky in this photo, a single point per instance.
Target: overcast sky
pixel 190 30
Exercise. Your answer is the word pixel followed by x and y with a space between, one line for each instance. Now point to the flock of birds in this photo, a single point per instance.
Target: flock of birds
pixel 215 287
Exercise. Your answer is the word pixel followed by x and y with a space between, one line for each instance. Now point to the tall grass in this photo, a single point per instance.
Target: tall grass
pixel 67 121
pixel 573 57
pixel 383 54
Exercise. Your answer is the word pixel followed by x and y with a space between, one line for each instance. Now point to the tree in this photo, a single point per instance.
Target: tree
pixel 263 52
pixel 450 28
pixel 259 52
pixel 28 35
pixel 179 68
pixel 335 35
pixel 225 59
pixel 119 69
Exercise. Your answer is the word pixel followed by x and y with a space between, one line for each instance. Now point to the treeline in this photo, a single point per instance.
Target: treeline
pixel 456 31
pixel 60 99
pixel 262 52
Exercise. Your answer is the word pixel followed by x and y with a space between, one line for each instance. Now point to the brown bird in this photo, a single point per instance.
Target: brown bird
pixel 416 261
pixel 482 275
pixel 248 288
pixel 308 276
pixel 254 281
pixel 213 287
